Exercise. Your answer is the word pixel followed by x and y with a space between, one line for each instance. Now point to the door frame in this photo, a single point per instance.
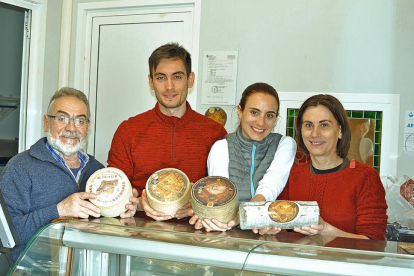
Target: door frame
pixel 32 87
pixel 96 145
pixel 86 12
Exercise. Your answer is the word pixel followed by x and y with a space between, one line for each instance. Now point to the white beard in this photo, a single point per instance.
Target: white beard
pixel 67 149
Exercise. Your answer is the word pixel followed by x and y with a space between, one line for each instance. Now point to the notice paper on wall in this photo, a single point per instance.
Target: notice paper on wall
pixel 408 144
pixel 219 77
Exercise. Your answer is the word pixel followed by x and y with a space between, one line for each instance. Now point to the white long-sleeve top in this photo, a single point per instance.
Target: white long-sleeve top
pixel 276 176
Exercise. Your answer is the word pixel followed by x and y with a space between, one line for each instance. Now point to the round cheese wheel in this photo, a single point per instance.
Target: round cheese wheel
pixel 113 189
pixel 217 114
pixel 215 197
pixel 168 190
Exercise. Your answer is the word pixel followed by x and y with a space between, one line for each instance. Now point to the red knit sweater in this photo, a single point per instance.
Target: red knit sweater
pixel 152 141
pixel 352 199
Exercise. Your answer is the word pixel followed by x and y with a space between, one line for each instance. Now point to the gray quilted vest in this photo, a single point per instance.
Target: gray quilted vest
pixel 240 160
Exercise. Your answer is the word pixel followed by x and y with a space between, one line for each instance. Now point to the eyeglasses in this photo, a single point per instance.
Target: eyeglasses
pixel 63 120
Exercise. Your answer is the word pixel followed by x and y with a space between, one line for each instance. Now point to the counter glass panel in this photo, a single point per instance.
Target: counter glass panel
pixel 138 246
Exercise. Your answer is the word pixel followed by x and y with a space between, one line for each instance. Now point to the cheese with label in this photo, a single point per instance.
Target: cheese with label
pixel 284 214
pixel 215 197
pixel 113 189
pixel 168 190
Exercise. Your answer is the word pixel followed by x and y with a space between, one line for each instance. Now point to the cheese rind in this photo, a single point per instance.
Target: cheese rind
pixel 215 197
pixel 284 214
pixel 113 189
pixel 168 190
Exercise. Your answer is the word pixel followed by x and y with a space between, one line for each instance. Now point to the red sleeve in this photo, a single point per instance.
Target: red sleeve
pixel 222 134
pixel 120 152
pixel 294 171
pixel 371 207
pixel 284 195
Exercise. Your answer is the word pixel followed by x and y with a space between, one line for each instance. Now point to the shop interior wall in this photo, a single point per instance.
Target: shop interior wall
pixel 51 65
pixel 321 46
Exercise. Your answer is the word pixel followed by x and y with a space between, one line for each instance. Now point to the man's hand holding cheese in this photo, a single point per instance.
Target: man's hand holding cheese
pixel 48 180
pixel 76 205
pixel 171 135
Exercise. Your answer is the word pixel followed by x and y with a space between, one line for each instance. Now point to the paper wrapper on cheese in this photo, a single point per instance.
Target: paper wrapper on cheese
pixel 280 213
pixel 168 190
pixel 214 197
pixel 407 190
pixel 113 189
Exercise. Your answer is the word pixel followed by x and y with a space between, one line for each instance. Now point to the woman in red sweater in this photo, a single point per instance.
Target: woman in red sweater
pixel 350 194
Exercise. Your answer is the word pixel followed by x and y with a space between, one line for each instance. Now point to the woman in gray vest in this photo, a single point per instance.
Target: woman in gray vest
pixel 255 159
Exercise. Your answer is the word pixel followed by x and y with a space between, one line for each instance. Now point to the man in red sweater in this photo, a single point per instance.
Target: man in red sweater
pixel 171 135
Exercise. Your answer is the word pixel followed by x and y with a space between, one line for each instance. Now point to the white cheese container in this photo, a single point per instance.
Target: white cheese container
pixel 113 189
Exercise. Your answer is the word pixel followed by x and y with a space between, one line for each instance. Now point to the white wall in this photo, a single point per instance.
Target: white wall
pixel 54 16
pixel 73 41
pixel 51 66
pixel 403 73
pixel 321 46
pixel 307 46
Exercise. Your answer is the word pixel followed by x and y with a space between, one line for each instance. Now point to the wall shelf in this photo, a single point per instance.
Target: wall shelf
pixel 7 105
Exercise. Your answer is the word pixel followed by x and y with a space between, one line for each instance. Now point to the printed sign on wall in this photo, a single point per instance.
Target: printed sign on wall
pixel 409 131
pixel 219 77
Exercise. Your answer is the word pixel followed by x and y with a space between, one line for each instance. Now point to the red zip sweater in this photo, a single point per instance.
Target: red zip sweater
pixel 352 199
pixel 152 141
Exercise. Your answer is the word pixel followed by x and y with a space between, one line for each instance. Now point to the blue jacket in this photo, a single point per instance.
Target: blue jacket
pixel 32 183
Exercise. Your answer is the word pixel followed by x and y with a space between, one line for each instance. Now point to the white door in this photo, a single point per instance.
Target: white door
pixel 118 82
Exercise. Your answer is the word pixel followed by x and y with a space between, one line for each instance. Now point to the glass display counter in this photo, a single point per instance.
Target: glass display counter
pixel 138 246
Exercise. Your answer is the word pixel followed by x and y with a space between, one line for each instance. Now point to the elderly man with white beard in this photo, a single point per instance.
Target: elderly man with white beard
pixel 48 180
